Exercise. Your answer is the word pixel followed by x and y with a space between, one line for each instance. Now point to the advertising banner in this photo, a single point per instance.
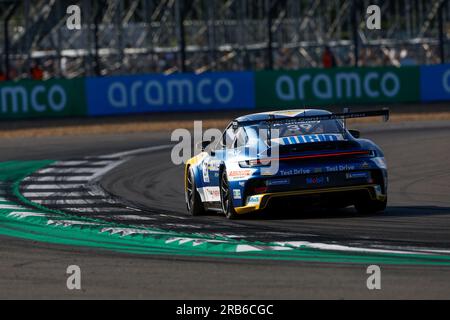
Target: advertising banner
pixel 435 82
pixel 50 98
pixel 165 93
pixel 222 90
pixel 321 87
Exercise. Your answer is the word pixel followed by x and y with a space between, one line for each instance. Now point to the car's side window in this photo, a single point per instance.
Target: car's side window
pixel 229 137
pixel 233 138
pixel 241 138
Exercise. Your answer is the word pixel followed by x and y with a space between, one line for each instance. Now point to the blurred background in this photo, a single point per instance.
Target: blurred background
pixel 168 36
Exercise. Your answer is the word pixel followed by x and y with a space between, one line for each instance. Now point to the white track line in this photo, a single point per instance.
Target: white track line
pixel 133 152
pixel 24 214
pixel 101 172
pixel 134 217
pixel 12 206
pixel 60 181
pixel 53 186
pixel 139 151
pixel 72 201
pixel 99 163
pixel 60 178
pixel 337 247
pixel 63 170
pixel 38 194
pixel 69 163
pixel 93 209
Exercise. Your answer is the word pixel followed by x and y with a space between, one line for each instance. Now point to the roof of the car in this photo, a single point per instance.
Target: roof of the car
pixel 281 114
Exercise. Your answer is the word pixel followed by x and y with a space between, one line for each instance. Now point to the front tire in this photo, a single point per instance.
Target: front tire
pixel 370 206
pixel 193 202
pixel 225 196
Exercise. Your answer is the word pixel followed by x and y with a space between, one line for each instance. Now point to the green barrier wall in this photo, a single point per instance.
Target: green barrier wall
pixel 51 98
pixel 350 86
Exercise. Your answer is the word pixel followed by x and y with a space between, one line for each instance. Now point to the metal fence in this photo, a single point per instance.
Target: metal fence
pixel 142 36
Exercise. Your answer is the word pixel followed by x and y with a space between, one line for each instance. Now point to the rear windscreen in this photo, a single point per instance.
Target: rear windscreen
pixel 308 127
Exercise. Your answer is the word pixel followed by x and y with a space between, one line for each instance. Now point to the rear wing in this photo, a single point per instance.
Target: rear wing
pixel 333 116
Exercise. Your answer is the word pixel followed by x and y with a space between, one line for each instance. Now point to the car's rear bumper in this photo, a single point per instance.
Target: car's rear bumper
pixel 260 201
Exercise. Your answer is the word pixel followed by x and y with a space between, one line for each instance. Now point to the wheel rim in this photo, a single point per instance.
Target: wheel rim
pixel 225 193
pixel 189 192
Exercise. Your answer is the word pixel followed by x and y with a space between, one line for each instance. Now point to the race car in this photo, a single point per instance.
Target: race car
pixel 291 156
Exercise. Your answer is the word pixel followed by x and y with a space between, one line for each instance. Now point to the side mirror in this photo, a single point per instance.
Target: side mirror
pixel 355 133
pixel 202 145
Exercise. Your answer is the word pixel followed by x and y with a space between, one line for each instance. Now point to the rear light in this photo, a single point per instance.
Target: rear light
pixel 266 162
pixel 364 153
pixel 381 162
pixel 258 190
pixel 254 163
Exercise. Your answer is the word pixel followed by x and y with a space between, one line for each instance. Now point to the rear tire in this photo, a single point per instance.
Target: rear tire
pixel 193 202
pixel 370 206
pixel 226 199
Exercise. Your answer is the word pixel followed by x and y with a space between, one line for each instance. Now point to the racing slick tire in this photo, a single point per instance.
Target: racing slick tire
pixel 226 200
pixel 370 206
pixel 193 202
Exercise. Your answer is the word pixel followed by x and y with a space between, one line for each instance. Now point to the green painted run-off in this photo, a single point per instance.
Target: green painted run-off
pixel 21 218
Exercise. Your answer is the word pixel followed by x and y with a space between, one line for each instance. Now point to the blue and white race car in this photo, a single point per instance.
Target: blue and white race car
pixel 292 156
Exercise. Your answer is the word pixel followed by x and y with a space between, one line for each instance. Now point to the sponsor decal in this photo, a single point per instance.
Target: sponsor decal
pixel 205 172
pixel 30 99
pixel 278 182
pixel 326 168
pixel 340 167
pixel 295 171
pixel 365 165
pixel 239 174
pixel 357 175
pixel 177 92
pixel 317 180
pixel 214 165
pixel 435 82
pixel 286 113
pixel 236 193
pixel 311 138
pixel 266 173
pixel 210 194
pixel 316 87
pixel 253 199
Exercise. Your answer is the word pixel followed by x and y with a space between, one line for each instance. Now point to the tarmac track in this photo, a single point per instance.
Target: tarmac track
pixel 418 216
